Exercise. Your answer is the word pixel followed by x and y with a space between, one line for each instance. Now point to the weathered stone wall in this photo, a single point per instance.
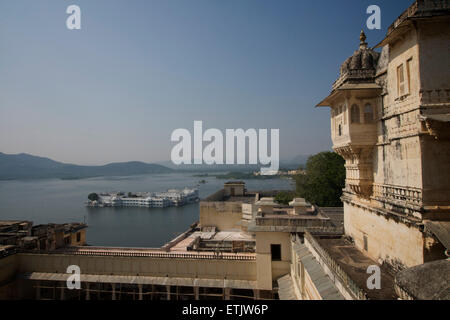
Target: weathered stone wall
pixel 434 57
pixel 222 215
pixel 387 240
pixel 435 85
pixel 397 161
pixel 268 270
pixel 436 174
pixel 82 241
pixel 155 267
pixel 8 270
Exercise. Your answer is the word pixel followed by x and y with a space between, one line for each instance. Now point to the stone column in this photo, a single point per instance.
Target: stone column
pixel 88 293
pixel 140 291
pixel 197 293
pixel 256 294
pixel 226 293
pixel 63 288
pixel 113 291
pixel 38 290
pixel 168 292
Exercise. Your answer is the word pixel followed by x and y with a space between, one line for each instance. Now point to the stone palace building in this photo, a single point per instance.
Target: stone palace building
pixel 390 121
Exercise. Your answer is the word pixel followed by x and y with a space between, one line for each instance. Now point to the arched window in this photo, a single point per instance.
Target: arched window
pixel 340 130
pixel 368 113
pixel 355 114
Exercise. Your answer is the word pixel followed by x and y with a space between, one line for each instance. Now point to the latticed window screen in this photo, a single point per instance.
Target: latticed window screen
pixel 354 114
pixel 368 113
pixel 401 80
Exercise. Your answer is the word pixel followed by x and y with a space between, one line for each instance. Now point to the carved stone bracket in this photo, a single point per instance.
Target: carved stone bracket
pixel 359 168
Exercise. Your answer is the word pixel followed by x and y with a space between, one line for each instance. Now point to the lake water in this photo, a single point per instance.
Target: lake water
pixel 61 201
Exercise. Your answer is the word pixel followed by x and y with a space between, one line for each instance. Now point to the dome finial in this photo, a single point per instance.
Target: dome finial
pixel 362 37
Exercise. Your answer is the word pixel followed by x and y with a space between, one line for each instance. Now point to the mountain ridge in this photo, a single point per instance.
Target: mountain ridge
pixel 24 166
pixel 27 166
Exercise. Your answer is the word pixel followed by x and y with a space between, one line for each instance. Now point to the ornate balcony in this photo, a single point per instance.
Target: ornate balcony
pixel 396 195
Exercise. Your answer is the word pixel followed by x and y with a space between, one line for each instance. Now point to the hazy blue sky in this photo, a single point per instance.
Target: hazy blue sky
pixel 138 69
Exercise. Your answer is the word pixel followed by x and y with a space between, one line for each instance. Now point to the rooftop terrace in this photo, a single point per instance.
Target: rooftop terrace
pixel 248 197
pixel 350 266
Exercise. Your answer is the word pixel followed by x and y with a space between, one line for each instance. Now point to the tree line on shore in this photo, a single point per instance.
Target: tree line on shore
pixel 322 181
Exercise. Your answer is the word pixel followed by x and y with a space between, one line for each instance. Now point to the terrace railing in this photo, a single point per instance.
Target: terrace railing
pixel 148 253
pixel 342 276
pixel 313 225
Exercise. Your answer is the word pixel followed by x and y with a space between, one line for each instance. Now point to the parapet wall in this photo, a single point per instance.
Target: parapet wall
pixel 222 215
pixel 384 239
pixel 8 270
pixel 142 266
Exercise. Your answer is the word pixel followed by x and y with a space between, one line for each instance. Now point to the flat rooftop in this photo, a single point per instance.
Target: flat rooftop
pixel 232 236
pixel 222 236
pixel 283 213
pixel 248 197
pixel 234 183
pixel 4 223
pixel 336 215
pixel 243 199
pixel 355 264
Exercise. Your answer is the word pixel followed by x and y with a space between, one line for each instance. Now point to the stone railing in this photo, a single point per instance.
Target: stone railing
pixel 435 97
pixel 420 8
pixel 353 74
pixel 432 5
pixel 408 13
pixel 147 253
pixel 180 238
pixel 334 267
pixel 412 196
pixel 313 225
pixel 286 221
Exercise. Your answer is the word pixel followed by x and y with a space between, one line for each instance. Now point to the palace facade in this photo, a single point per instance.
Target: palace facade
pixel 390 114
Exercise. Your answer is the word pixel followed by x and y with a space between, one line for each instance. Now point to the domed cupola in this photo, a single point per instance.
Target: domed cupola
pixel 361 66
pixel 355 101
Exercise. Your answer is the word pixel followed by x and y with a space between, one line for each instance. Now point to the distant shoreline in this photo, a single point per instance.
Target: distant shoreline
pixel 240 176
pixel 26 167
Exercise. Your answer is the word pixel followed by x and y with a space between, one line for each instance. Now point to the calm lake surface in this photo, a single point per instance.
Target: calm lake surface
pixel 60 201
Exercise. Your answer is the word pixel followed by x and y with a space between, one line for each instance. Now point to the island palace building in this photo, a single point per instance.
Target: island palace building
pixel 390 113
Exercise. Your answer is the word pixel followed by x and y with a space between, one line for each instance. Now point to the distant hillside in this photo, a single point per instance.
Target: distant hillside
pixel 212 168
pixel 289 164
pixel 25 166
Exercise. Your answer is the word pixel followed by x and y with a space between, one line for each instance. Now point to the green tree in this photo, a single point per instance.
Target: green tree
pixel 324 180
pixel 284 197
pixel 93 197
